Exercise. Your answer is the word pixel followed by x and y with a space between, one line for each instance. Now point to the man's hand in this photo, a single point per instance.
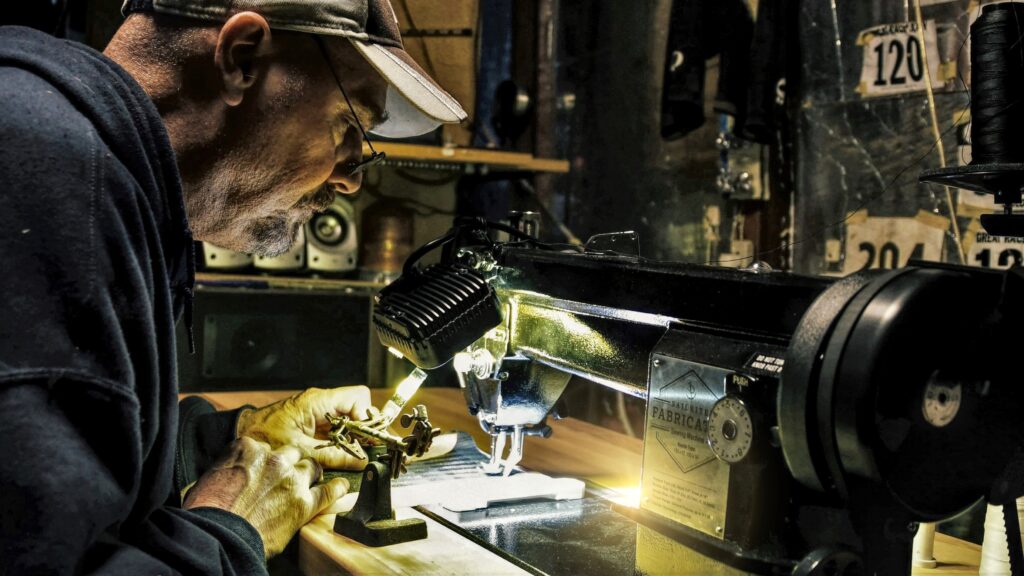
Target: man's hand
pixel 272 489
pixel 299 421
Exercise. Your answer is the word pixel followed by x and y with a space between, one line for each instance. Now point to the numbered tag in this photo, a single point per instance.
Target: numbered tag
pixel 993 251
pixel 894 59
pixel 891 242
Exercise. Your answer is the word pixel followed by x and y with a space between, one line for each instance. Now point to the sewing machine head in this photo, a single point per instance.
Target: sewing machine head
pixel 793 423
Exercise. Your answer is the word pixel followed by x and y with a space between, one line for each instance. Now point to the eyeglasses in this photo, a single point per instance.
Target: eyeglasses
pixel 375 157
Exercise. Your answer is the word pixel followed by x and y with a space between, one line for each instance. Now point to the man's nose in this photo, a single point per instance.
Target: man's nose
pixel 341 180
pixel 346 156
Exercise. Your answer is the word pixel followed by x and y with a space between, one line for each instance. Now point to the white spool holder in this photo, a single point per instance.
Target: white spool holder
pixel 995 553
pixel 924 546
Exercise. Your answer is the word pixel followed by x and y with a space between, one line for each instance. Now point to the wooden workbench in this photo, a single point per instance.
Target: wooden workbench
pixel 575 449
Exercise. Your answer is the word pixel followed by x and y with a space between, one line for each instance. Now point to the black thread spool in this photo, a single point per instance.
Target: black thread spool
pixel 997 117
pixel 997 92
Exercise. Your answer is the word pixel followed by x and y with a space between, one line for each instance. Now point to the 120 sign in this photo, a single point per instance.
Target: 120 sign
pixel 895 52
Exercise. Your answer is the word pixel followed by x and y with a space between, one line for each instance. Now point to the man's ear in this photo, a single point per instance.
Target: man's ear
pixel 241 44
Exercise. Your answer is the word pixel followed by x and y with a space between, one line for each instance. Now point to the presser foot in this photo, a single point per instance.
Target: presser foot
pixel 499 437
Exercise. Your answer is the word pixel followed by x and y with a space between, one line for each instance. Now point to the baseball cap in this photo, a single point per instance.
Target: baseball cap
pixel 416 104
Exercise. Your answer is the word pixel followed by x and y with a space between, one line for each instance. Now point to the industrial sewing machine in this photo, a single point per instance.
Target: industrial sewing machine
pixel 794 425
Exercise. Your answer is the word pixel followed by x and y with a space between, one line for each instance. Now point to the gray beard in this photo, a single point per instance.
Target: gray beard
pixel 272 236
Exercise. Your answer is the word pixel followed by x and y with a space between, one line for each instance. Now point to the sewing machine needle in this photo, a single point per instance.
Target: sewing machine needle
pixel 497 449
pixel 515 453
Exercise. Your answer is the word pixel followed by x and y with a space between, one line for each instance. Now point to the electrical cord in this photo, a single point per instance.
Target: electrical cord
pixel 410 263
pixel 469 224
pixel 461 226
pixel 935 131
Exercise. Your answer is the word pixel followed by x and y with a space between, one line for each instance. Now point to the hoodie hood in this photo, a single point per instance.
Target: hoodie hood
pixel 128 123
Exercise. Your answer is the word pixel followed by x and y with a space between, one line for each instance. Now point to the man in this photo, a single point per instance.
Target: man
pixel 235 119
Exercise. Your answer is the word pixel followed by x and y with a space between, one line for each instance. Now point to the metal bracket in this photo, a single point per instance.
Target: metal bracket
pixel 372 521
pixel 624 243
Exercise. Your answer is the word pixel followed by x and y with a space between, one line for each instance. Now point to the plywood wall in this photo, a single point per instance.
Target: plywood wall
pixel 451 60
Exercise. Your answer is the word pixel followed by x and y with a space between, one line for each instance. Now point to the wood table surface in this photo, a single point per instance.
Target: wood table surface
pixel 575 448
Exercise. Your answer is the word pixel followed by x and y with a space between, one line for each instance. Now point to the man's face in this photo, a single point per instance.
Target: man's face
pixel 286 148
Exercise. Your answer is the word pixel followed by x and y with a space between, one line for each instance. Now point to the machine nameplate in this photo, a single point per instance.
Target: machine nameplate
pixel 682 480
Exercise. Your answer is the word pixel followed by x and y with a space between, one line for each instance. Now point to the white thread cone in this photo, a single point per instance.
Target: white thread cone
pixel 995 554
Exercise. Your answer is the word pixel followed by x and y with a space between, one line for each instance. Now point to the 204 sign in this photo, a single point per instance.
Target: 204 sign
pixel 887 256
pixel 890 242
pixel 894 59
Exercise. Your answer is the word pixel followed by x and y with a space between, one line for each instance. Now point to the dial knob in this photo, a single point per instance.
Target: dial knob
pixel 730 429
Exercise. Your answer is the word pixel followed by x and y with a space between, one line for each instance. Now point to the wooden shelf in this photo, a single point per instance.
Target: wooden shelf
pixel 494 159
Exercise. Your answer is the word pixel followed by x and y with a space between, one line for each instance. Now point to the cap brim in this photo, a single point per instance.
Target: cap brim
pixel 416 104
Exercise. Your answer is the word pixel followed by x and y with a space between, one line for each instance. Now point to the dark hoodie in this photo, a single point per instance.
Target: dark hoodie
pixel 96 266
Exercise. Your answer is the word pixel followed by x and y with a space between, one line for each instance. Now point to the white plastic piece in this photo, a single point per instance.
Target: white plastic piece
pixel 466 494
pixel 995 553
pixel 526 486
pixel 924 546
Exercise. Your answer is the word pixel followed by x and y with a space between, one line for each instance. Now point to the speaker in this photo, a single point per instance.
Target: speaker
pixel 331 240
pixel 291 261
pixel 273 338
pixel 386 240
pixel 217 258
